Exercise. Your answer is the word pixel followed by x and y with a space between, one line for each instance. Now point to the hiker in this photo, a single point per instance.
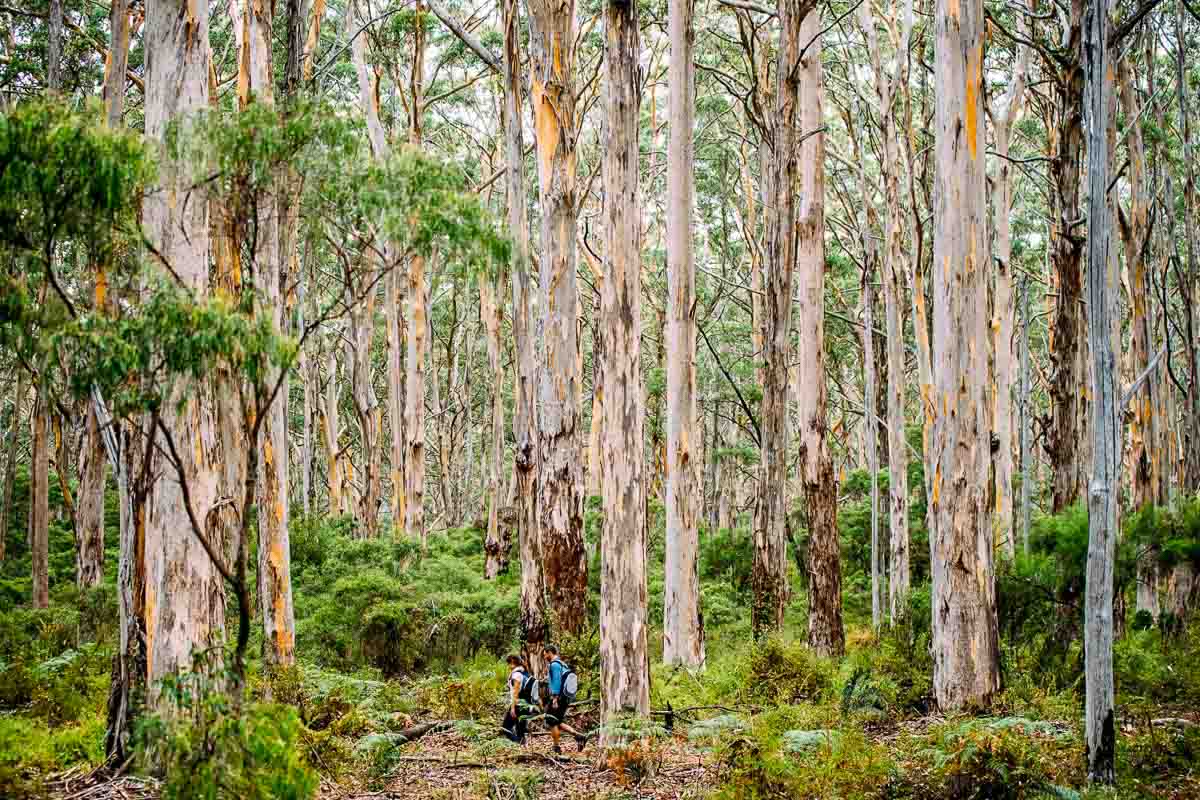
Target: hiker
pixel 561 687
pixel 520 684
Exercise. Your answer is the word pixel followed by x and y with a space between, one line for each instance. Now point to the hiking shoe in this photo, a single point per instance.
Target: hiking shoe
pixel 557 750
pixel 581 742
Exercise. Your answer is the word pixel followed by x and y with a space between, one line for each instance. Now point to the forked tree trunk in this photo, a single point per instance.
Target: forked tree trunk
pixel 624 660
pixel 683 632
pixel 274 548
pixel 965 638
pixel 525 432
pixel 39 499
pixel 825 631
pixel 1102 495
pixel 560 474
pixel 184 595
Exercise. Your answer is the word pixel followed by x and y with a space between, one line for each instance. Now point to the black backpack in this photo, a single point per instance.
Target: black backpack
pixel 529 689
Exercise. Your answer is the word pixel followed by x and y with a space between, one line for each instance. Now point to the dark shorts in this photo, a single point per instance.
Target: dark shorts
pixel 514 727
pixel 556 711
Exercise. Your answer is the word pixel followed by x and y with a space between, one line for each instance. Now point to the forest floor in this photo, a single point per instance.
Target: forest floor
pixel 445 766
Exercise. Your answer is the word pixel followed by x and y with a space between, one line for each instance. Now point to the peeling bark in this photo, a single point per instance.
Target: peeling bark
pixel 559 467
pixel 1100 729
pixel 683 631
pixel 184 595
pixel 825 631
pixel 965 637
pixel 624 658
pixel 769 574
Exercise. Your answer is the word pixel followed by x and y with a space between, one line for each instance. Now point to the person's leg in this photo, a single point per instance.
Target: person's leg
pixel 554 721
pixel 508 726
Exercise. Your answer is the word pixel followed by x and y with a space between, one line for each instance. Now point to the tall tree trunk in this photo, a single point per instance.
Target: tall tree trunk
pixel 1028 467
pixel 274 548
pixel 184 595
pixel 559 480
pixel 54 47
pixel 525 430
pixel 624 659
pixel 871 424
pixel 965 637
pixel 1004 323
pixel 683 631
pixel 825 631
pixel 89 509
pixel 394 307
pixel 1068 439
pixel 10 459
pixel 417 317
pixel 895 267
pixel 769 574
pixel 495 546
pixel 1183 579
pixel 1145 453
pixel 1102 495
pixel 39 498
pixel 331 432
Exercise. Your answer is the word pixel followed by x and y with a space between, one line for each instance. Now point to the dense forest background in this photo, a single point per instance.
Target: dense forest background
pixel 823 379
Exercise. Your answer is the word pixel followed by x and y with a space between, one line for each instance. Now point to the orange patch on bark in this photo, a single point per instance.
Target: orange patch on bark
pixel 974 76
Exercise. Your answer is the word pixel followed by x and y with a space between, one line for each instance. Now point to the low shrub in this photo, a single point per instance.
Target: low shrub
pixel 207 749
pixel 781 673
pixel 510 784
pixel 833 765
pixel 1001 759
pixel 1158 753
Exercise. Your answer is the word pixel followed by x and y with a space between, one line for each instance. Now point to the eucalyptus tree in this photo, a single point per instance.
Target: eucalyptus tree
pixel 965 640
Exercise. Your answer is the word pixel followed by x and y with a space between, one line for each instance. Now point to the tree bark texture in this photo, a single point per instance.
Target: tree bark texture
pixel 559 467
pixel 965 638
pixel 39 499
pixel 1004 319
pixel 624 659
pixel 683 631
pixel 89 508
pixel 825 631
pixel 184 595
pixel 770 568
pixel 20 389
pixel 1069 439
pixel 525 430
pixel 494 546
pixel 271 485
pixel 1102 286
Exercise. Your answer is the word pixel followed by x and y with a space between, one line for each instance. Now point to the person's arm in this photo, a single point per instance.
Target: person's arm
pixel 515 691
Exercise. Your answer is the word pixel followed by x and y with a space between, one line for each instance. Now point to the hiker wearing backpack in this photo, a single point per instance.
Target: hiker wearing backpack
pixel 520 689
pixel 562 685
